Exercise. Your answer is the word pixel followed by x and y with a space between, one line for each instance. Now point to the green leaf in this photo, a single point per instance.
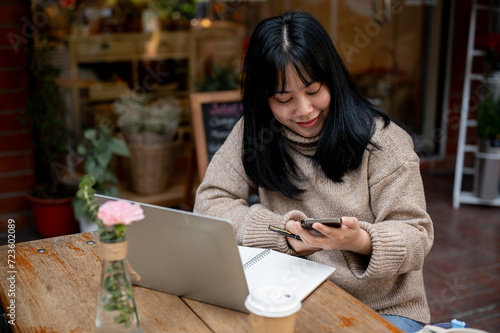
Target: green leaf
pixel 87 181
pixel 103 154
pixel 85 192
pixel 112 191
pixel 90 134
pixel 128 310
pixel 110 307
pixel 109 283
pixel 120 230
pixel 116 293
pixel 120 319
pixel 82 149
pixel 119 147
pixel 90 167
pixel 108 177
pixel 78 208
pixel 95 170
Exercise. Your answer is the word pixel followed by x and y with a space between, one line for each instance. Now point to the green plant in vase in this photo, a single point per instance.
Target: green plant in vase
pixel 116 307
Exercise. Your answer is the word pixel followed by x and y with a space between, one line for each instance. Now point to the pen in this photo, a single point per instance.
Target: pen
pixel 283 232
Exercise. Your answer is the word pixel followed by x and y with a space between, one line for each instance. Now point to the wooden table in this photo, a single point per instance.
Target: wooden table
pixel 57 282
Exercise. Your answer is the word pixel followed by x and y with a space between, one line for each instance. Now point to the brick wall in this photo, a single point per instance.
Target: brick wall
pixel 16 156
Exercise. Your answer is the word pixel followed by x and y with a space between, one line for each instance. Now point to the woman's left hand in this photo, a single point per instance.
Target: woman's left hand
pixel 348 237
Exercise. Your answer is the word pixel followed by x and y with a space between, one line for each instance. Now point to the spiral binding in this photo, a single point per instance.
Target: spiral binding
pixel 255 259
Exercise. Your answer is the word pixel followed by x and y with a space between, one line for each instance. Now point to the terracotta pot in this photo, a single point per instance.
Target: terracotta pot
pixel 53 217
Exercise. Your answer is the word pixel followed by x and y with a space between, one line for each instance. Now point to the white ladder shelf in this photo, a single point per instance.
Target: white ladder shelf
pixel 460 196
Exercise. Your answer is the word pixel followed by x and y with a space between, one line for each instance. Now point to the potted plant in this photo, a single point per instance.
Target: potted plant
pixel 98 148
pixel 175 14
pixel 143 119
pixel 51 197
pixel 151 130
pixel 487 178
pixel 218 78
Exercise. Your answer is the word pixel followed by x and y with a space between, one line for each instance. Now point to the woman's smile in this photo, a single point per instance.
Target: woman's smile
pixel 310 123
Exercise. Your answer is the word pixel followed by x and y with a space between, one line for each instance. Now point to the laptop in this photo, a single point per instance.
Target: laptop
pixel 186 254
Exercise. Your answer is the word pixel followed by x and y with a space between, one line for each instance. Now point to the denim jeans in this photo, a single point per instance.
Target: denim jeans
pixel 406 324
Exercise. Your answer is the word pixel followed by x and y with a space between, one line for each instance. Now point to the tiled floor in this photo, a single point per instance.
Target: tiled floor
pixel 462 271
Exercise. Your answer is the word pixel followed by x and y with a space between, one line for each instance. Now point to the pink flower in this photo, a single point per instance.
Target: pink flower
pixel 119 212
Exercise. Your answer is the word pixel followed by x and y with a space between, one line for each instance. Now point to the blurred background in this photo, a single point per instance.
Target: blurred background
pixel 105 88
pixel 89 86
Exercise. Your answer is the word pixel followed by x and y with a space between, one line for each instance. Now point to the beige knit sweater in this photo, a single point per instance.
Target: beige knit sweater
pixel 385 193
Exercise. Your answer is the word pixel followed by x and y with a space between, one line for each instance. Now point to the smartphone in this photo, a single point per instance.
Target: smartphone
pixel 335 222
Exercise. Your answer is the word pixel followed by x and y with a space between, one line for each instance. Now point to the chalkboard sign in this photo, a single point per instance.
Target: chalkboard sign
pixel 214 115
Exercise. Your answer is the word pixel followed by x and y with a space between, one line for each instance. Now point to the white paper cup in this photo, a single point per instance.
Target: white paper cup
pixel 272 309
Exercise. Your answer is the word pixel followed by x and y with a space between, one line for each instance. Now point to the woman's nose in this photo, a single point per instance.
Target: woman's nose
pixel 304 106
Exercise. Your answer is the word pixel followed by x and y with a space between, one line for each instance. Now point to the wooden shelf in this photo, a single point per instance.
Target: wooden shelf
pixel 134 49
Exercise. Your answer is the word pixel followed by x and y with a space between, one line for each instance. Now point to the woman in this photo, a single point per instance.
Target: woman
pixel 310 146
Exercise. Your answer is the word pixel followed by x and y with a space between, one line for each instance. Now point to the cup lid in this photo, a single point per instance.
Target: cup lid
pixel 272 301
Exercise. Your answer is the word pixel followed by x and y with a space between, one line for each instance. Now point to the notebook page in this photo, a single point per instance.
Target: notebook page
pixel 298 275
pixel 247 253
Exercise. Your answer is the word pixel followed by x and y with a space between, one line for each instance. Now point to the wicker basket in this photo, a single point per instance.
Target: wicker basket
pixel 152 165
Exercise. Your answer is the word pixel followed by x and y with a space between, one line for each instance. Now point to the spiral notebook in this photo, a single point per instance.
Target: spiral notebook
pixel 298 275
pixel 197 257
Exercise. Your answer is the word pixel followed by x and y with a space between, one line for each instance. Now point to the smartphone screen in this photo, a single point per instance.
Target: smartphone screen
pixel 332 222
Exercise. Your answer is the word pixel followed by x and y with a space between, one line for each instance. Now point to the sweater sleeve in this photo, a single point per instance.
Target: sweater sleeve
pixel 224 193
pixel 402 233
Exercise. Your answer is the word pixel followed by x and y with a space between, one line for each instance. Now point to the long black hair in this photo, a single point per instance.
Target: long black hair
pixel 299 40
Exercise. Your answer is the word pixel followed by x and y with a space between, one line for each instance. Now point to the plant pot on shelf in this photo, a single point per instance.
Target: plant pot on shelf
pixel 487 163
pixel 86 225
pixel 53 217
pixel 152 164
pixel 487 170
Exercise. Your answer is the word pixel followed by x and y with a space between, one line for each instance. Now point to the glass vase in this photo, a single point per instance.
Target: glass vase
pixel 116 308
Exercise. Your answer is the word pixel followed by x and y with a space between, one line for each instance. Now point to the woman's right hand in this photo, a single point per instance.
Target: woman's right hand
pixel 299 246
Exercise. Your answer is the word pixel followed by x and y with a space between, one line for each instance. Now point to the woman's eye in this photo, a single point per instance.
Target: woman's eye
pixel 315 91
pixel 283 102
